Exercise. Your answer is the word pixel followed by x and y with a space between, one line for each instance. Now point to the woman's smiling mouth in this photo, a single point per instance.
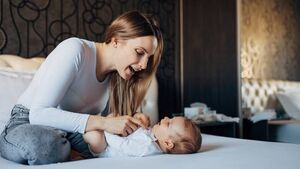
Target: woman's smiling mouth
pixel 131 69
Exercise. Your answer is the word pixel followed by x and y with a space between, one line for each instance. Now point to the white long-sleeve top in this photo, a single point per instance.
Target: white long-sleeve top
pixel 139 143
pixel 65 90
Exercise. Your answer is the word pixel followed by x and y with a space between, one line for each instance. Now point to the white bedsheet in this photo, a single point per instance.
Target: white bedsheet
pixel 216 153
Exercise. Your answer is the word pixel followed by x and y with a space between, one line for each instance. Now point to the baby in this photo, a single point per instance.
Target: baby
pixel 177 135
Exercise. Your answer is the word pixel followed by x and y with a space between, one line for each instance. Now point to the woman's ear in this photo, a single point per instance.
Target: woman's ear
pixel 114 42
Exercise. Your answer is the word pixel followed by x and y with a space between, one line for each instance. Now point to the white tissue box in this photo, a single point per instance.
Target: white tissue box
pixel 189 112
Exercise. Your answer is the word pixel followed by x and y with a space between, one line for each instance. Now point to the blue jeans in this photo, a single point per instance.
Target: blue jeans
pixel 36 144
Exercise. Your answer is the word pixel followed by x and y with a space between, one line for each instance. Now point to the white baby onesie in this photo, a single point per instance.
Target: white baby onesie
pixel 139 143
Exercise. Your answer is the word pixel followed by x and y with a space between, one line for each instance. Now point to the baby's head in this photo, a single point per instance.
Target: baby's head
pixel 177 135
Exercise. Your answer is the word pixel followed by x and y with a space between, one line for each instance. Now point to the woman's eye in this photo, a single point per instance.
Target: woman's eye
pixel 140 53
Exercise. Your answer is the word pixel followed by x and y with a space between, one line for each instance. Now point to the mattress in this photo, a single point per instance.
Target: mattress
pixel 216 153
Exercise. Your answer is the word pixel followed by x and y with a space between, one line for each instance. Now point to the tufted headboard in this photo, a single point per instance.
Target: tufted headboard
pixel 259 95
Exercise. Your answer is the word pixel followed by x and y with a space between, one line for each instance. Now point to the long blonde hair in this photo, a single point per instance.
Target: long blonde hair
pixel 127 95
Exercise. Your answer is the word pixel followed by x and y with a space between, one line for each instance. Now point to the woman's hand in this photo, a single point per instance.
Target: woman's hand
pixel 143 118
pixel 122 125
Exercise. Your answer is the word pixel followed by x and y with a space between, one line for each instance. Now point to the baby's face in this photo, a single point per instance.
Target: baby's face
pixel 171 127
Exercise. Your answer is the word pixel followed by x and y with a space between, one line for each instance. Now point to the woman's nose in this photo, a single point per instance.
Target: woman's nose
pixel 143 63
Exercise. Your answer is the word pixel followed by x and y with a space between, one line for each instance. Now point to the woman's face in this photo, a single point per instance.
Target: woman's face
pixel 132 55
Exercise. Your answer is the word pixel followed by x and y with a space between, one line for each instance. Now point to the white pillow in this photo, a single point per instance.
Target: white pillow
pixel 290 100
pixel 12 85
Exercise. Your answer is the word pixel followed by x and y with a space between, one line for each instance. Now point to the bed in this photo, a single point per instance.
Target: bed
pixel 216 152
pixel 280 96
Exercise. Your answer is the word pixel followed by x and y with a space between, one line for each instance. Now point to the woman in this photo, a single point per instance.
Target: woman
pixel 75 83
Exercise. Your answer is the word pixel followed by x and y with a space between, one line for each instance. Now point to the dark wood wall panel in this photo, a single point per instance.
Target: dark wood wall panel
pixel 210 54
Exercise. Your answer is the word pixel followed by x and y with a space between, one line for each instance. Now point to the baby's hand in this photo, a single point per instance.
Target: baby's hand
pixel 143 118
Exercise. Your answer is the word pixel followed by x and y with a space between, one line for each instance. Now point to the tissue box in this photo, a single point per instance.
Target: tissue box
pixel 189 112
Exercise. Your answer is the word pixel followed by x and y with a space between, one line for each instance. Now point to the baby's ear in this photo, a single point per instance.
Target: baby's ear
pixel 169 144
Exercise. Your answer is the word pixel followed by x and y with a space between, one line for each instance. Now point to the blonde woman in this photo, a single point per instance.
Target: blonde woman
pixel 75 83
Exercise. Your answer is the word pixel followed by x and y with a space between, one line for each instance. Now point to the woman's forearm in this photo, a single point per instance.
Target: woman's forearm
pixel 123 125
pixel 95 123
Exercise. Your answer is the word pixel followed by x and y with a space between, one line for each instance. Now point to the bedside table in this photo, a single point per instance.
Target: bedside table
pixel 256 131
pixel 272 130
pixel 227 129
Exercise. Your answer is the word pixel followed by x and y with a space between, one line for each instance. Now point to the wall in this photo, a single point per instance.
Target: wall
pixel 34 28
pixel 270 39
pixel 210 68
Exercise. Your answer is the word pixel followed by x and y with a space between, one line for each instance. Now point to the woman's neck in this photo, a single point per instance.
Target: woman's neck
pixel 104 61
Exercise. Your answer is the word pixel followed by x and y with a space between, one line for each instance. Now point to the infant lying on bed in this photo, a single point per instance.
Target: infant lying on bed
pixel 177 135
